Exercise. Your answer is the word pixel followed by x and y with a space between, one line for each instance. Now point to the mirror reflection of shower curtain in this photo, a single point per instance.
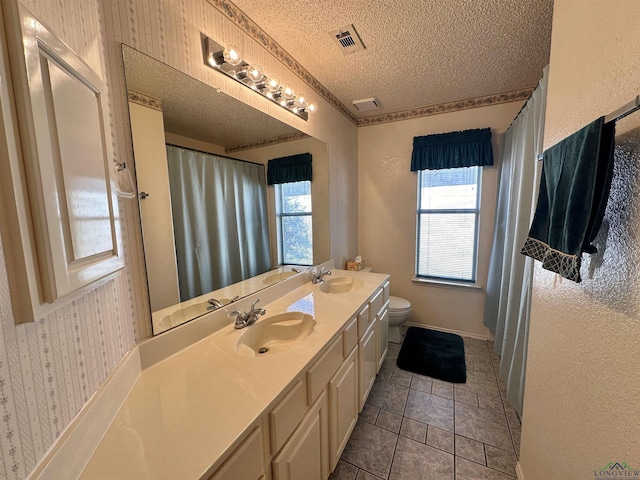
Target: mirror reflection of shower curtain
pixel 220 220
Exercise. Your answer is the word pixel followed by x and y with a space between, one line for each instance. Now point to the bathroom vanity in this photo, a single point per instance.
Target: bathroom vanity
pixel 219 409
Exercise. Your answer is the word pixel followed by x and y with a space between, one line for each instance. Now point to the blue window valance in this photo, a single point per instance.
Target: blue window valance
pixel 295 168
pixel 468 148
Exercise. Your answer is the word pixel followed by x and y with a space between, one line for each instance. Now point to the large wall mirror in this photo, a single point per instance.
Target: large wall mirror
pixel 174 116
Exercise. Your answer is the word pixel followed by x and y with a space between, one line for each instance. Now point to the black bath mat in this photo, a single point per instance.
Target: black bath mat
pixel 435 354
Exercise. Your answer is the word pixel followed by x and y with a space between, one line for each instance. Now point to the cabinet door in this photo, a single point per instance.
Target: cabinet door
pixel 368 363
pixel 343 406
pixel 69 228
pixel 383 337
pixel 306 454
pixel 247 462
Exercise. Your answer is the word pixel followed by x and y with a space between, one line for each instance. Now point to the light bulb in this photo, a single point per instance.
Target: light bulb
pixel 273 84
pixel 232 55
pixel 312 107
pixel 254 72
pixel 301 101
pixel 288 92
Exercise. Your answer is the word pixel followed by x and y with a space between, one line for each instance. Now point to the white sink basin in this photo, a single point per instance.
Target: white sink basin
pixel 183 315
pixel 340 285
pixel 277 277
pixel 275 334
pixel 187 313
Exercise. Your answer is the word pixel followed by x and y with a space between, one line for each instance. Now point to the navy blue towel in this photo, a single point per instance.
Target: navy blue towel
pixel 574 189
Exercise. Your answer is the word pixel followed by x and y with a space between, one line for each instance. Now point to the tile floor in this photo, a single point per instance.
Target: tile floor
pixel 417 427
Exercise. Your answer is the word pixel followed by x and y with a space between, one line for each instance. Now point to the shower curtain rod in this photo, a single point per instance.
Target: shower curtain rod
pixel 620 113
pixel 215 154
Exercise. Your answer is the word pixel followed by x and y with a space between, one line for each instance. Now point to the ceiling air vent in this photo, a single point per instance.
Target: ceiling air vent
pixel 347 40
pixel 366 104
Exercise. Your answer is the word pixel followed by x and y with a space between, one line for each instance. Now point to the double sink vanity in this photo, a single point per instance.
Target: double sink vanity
pixel 275 400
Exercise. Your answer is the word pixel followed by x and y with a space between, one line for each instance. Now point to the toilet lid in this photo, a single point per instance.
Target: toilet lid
pixel 397 303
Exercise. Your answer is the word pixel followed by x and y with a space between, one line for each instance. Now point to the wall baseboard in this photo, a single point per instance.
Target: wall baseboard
pixel 448 330
pixel 72 450
pixel 519 473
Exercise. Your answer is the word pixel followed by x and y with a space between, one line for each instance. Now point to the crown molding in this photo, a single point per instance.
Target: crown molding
pixel 269 141
pixel 448 107
pixel 144 100
pixel 238 17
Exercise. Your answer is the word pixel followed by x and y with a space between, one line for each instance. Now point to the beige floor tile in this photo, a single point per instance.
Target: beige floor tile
pixel 441 390
pixel 466 470
pixel 420 382
pixel 369 413
pixel 414 430
pixel 440 439
pixel 482 425
pixel 388 396
pixel 470 449
pixel 466 396
pixel 501 460
pixel 344 471
pixel 417 461
pixel 389 421
pixel 371 448
pixel 430 409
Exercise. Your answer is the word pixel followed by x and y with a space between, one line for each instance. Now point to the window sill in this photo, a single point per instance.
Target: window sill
pixel 447 283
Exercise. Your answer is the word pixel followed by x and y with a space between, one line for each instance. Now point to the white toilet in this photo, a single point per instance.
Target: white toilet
pixel 399 310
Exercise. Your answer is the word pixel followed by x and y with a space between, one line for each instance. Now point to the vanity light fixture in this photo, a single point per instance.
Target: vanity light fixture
pixel 228 60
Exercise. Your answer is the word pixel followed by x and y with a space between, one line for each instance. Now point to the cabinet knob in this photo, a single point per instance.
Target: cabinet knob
pixel 143 195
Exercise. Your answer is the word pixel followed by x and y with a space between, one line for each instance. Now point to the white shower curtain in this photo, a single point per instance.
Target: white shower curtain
pixel 508 299
pixel 220 220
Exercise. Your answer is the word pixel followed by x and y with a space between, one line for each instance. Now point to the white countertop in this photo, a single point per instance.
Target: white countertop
pixel 186 411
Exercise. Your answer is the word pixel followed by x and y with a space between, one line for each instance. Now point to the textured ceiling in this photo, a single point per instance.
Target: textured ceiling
pixel 419 53
pixel 194 109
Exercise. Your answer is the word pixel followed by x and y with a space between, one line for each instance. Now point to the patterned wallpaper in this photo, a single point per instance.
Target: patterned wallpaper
pixel 49 369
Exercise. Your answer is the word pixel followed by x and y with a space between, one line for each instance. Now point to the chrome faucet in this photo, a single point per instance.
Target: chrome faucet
pixel 317 276
pixel 247 318
pixel 214 304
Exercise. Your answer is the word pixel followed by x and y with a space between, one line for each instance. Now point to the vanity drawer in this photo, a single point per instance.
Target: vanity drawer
pixel 321 372
pixel 364 320
pixel 349 337
pixel 376 303
pixel 286 416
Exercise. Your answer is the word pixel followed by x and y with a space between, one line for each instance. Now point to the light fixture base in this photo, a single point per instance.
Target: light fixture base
pixel 214 58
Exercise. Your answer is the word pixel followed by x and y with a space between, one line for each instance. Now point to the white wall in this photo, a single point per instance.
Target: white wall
pixel 582 392
pixel 387 204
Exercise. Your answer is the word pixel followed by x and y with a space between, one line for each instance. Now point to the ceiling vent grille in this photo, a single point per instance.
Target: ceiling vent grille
pixel 347 40
pixel 366 104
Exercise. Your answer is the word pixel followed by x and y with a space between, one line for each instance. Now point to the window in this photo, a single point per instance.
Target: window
pixel 293 210
pixel 448 211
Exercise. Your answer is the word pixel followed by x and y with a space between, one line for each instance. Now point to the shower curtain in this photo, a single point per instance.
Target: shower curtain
pixel 508 299
pixel 220 220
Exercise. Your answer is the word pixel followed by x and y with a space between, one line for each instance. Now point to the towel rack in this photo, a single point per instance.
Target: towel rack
pixel 623 111
pixel 618 114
